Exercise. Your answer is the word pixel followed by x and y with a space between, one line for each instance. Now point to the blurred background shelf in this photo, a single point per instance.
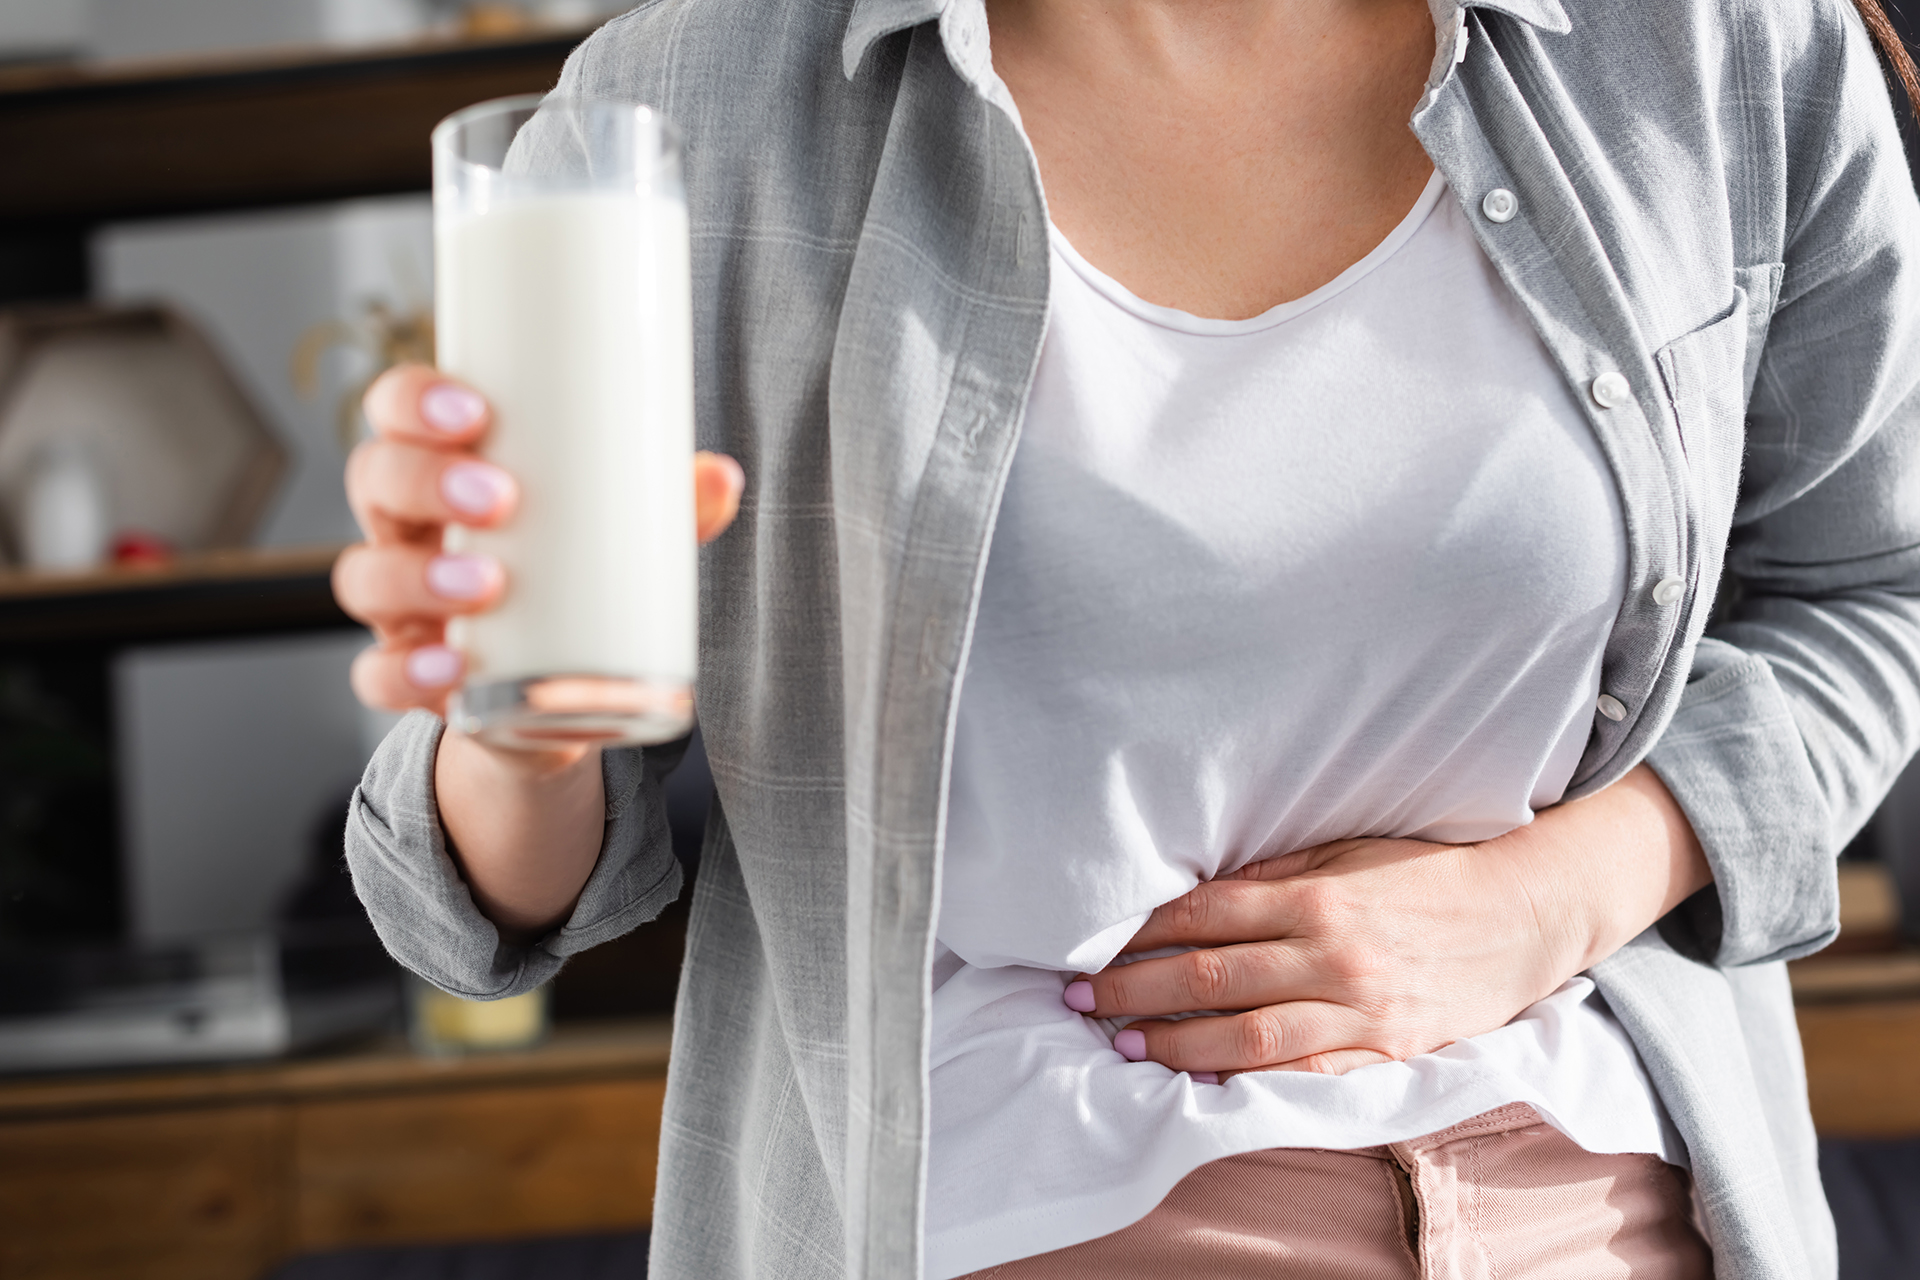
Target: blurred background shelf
pixel 260 167
pixel 178 742
pixel 218 1174
pixel 1858 1006
pixel 216 593
pixel 276 128
pixel 386 1066
pixel 1863 1067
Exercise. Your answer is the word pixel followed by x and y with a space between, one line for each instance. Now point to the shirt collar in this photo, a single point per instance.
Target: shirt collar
pixel 1547 15
pixel 872 20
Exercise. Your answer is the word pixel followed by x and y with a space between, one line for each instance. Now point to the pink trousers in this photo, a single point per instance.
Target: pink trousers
pixel 1503 1196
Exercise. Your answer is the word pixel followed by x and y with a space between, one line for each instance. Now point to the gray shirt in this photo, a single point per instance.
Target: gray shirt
pixel 1715 238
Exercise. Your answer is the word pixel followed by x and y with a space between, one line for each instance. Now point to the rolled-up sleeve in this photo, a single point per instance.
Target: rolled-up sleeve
pixel 1803 702
pixel 412 890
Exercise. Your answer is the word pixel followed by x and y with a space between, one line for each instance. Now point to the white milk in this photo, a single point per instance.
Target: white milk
pixel 572 314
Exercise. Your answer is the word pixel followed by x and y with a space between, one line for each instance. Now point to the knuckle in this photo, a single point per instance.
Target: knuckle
pixel 372 678
pixel 1384 1013
pixel 1351 963
pixel 377 469
pixel 1187 913
pixel 1314 899
pixel 1208 978
pixel 1260 1038
pixel 1402 1050
pixel 349 580
pixel 386 394
pixel 361 481
pixel 377 584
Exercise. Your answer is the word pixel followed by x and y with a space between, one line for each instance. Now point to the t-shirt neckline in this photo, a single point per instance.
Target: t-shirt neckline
pixel 1186 322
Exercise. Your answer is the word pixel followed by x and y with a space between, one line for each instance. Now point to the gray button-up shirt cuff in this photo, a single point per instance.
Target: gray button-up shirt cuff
pixel 1734 758
pixel 397 852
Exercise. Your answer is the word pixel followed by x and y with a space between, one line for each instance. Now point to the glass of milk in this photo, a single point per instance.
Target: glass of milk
pixel 562 292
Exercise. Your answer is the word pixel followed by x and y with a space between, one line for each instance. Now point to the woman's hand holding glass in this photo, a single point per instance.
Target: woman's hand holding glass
pixel 524 826
pixel 1365 951
pixel 420 472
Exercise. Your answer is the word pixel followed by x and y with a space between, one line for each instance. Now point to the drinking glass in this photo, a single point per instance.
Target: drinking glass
pixel 562 293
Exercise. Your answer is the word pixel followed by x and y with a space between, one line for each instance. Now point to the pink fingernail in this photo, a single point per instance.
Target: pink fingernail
pixel 447 406
pixel 475 488
pixel 462 577
pixel 1079 996
pixel 1204 1077
pixel 433 666
pixel 1131 1044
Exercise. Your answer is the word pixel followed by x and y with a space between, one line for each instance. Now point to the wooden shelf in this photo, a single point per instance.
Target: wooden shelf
pixel 1863 1067
pixel 1829 979
pixel 635 1047
pixel 288 127
pixel 221 1174
pixel 1858 1006
pixel 223 593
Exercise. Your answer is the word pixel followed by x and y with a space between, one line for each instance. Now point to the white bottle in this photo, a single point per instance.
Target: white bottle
pixel 63 510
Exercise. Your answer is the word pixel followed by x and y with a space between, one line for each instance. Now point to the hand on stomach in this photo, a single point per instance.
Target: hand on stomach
pixel 1372 950
pixel 1328 959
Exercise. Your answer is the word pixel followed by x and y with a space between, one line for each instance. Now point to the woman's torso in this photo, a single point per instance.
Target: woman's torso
pixel 1343 569
pixel 869 308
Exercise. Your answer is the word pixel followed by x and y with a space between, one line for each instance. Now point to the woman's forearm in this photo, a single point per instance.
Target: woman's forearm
pixel 524 827
pixel 1601 869
pixel 1365 950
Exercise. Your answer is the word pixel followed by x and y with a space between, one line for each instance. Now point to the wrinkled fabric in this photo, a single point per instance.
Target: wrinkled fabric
pixel 1712 201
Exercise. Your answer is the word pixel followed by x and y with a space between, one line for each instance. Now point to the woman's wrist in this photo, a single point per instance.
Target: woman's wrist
pixel 523 827
pixel 1598 871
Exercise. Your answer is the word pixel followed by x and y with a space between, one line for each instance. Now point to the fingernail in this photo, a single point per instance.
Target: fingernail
pixel 447 406
pixel 462 577
pixel 1204 1077
pixel 1079 996
pixel 1131 1044
pixel 475 488
pixel 433 666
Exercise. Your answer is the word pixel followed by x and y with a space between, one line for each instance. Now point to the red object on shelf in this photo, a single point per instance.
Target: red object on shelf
pixel 138 547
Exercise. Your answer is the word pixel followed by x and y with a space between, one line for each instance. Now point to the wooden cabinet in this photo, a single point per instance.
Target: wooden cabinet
pixel 1858 1004
pixel 220 1174
pixel 475 1163
pixel 1863 1067
pixel 184 1194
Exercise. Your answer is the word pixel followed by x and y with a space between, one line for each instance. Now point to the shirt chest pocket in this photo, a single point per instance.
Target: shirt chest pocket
pixel 1709 375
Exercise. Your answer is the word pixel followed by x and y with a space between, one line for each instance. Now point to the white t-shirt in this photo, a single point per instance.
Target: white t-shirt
pixel 1343 569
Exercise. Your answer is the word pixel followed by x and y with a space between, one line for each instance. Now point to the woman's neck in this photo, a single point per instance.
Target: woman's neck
pixel 1220 156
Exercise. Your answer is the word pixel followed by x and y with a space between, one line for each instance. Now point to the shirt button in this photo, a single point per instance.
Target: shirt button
pixel 1611 389
pixel 1611 707
pixel 1668 591
pixel 1500 205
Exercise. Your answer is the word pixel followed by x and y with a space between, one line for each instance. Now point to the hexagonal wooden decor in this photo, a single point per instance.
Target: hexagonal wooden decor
pixel 178 448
